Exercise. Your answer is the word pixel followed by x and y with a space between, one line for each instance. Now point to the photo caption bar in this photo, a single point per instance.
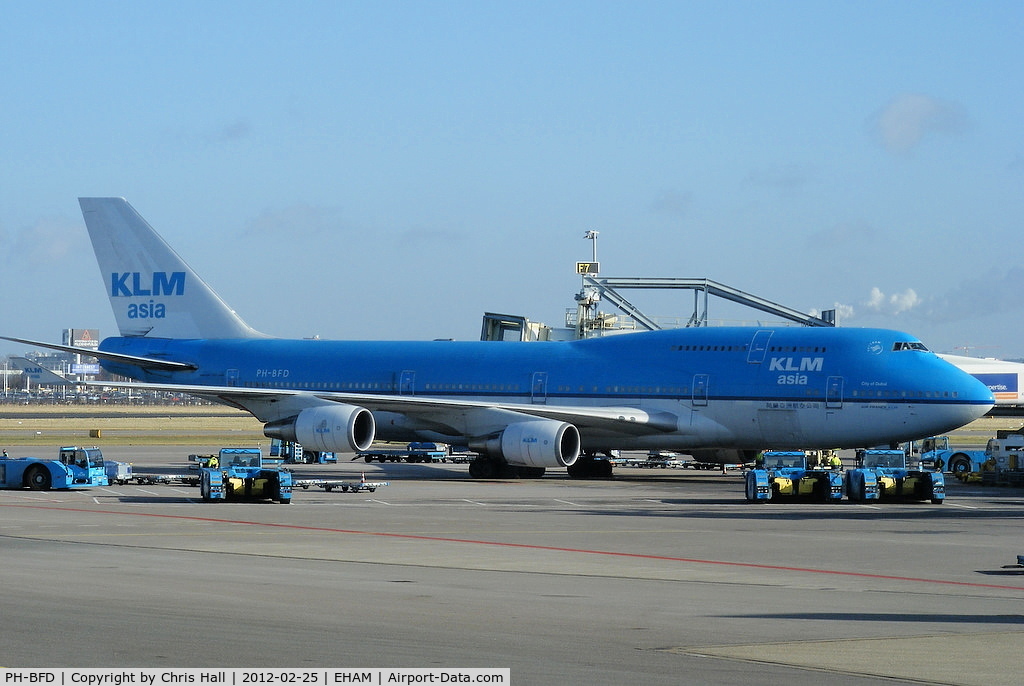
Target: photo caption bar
pixel 243 677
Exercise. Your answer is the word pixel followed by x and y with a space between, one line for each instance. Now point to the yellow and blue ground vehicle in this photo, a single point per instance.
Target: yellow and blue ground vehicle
pixel 239 474
pixel 884 475
pixel 74 468
pixel 785 475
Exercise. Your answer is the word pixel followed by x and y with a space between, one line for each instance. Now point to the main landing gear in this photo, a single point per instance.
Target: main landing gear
pixel 590 467
pixel 484 467
pixel 586 467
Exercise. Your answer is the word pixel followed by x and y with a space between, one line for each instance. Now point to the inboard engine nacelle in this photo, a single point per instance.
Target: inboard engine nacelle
pixel 539 443
pixel 333 428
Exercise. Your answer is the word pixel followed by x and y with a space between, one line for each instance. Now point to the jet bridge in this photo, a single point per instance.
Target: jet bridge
pixel 608 289
pixel 586 321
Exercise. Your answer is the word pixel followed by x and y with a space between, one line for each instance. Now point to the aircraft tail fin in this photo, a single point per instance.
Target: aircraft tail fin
pixel 36 373
pixel 152 291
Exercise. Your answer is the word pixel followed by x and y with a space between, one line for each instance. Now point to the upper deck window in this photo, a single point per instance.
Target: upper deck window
pixel 909 345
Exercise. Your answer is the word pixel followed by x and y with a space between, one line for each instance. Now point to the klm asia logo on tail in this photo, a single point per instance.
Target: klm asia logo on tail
pixel 141 285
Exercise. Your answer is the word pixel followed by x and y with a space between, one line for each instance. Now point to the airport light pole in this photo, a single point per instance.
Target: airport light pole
pixel 586 299
pixel 592 235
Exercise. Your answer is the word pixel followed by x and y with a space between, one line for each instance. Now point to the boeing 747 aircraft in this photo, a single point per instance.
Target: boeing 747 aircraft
pixel 523 407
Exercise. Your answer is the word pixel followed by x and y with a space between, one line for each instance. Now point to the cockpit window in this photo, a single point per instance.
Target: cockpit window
pixel 909 345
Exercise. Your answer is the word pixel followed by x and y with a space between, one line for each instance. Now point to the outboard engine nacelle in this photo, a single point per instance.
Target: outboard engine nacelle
pixel 539 443
pixel 328 428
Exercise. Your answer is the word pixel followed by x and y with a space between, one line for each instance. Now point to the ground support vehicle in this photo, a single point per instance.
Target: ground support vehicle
pixel 290 452
pixel 343 486
pixel 74 468
pixel 191 479
pixel 1019 565
pixel 656 463
pixel 242 475
pixel 414 452
pixel 663 459
pixel 118 472
pixel 785 475
pixel 993 474
pixel 459 457
pixel 997 453
pixel 714 466
pixel 884 475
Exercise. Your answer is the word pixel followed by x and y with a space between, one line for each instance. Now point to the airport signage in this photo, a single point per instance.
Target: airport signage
pixel 82 338
pixel 92 369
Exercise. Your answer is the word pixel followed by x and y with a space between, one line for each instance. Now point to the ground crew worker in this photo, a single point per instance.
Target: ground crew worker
pixel 758 460
pixel 213 463
pixel 834 461
pixel 939 464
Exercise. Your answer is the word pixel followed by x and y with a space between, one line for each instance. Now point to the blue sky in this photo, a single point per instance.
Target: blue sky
pixel 394 169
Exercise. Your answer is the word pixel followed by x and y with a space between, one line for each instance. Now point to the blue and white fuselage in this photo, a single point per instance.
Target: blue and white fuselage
pixel 676 389
pixel 530 405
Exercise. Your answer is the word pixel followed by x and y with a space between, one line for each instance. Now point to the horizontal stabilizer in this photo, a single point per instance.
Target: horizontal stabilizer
pixel 135 360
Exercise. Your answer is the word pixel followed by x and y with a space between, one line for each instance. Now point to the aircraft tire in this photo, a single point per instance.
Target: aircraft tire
pixel 856 487
pixel 576 470
pixel 38 478
pixel 959 463
pixel 821 490
pixel 750 487
pixel 483 468
pixel 586 467
pixel 530 472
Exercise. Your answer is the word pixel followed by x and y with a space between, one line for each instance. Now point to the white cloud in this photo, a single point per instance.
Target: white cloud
pixel 905 301
pixel 876 299
pixel 897 303
pixel 905 120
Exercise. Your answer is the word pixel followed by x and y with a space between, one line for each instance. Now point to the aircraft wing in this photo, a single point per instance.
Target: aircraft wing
pixel 269 405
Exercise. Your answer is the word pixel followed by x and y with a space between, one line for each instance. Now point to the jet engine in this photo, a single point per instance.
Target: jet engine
pixel 539 443
pixel 327 428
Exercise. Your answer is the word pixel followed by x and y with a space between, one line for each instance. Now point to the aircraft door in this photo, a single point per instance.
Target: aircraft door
pixel 539 388
pixel 407 382
pixel 834 393
pixel 759 346
pixel 700 390
pixel 231 377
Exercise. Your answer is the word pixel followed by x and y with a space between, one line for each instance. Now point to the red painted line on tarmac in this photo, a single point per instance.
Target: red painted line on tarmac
pixel 528 546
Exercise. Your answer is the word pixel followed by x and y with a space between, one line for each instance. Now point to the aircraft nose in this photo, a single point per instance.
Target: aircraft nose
pixel 974 396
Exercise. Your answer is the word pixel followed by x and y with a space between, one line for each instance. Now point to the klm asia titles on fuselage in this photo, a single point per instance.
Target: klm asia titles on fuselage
pixel 793 372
